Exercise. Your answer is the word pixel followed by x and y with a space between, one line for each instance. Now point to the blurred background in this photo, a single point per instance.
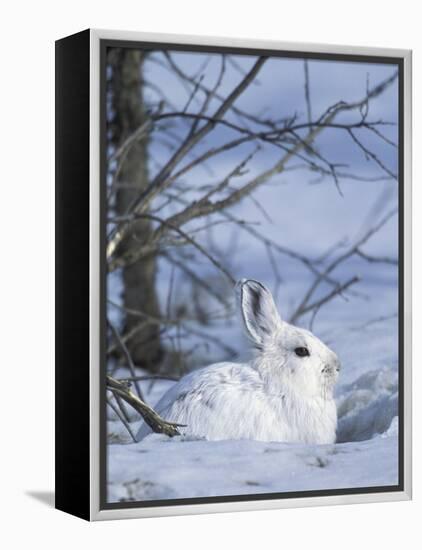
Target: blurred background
pixel 222 167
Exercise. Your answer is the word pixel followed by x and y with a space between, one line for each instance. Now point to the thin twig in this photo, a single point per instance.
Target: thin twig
pixel 377 259
pixel 189 239
pixel 126 353
pixel 150 377
pixel 121 417
pixel 303 306
pixel 307 92
pixel 122 407
pixel 328 297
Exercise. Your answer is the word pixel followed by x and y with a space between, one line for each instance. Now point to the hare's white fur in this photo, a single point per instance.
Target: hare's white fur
pixel 277 396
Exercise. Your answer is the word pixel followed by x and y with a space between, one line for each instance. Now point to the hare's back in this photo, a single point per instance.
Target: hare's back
pixel 213 401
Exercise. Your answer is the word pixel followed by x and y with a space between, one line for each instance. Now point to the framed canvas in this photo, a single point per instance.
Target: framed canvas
pixel 233 274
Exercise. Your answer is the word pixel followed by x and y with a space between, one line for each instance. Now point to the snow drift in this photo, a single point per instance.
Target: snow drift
pixel 365 455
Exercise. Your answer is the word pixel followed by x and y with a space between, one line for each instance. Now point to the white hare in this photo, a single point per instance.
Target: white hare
pixel 285 393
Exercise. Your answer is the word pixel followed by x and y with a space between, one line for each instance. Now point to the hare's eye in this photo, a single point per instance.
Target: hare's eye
pixel 302 352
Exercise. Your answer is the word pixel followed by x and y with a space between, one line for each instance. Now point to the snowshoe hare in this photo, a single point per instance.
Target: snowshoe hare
pixel 284 394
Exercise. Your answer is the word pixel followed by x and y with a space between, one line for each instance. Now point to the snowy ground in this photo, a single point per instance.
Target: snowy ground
pixel 366 453
pixel 161 468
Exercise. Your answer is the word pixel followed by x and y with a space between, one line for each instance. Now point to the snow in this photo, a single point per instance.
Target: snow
pixel 366 454
pixel 362 330
pixel 364 334
pixel 163 468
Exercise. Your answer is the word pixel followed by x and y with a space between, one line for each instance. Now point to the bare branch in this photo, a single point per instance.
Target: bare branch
pixel 154 420
pixel 325 299
pixel 238 112
pixel 161 181
pixel 198 280
pixel 150 377
pixel 303 306
pixel 375 259
pixel 164 179
pixel 126 353
pixel 192 95
pixel 369 154
pixel 122 419
pixel 307 93
pixel 139 134
pixel 148 249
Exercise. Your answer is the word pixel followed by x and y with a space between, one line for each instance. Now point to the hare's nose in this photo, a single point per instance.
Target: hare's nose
pixel 332 366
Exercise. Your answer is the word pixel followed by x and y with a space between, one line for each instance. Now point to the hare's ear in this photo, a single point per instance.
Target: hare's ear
pixel 259 311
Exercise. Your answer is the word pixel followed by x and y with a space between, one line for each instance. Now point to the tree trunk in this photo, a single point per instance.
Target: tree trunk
pixel 127 114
